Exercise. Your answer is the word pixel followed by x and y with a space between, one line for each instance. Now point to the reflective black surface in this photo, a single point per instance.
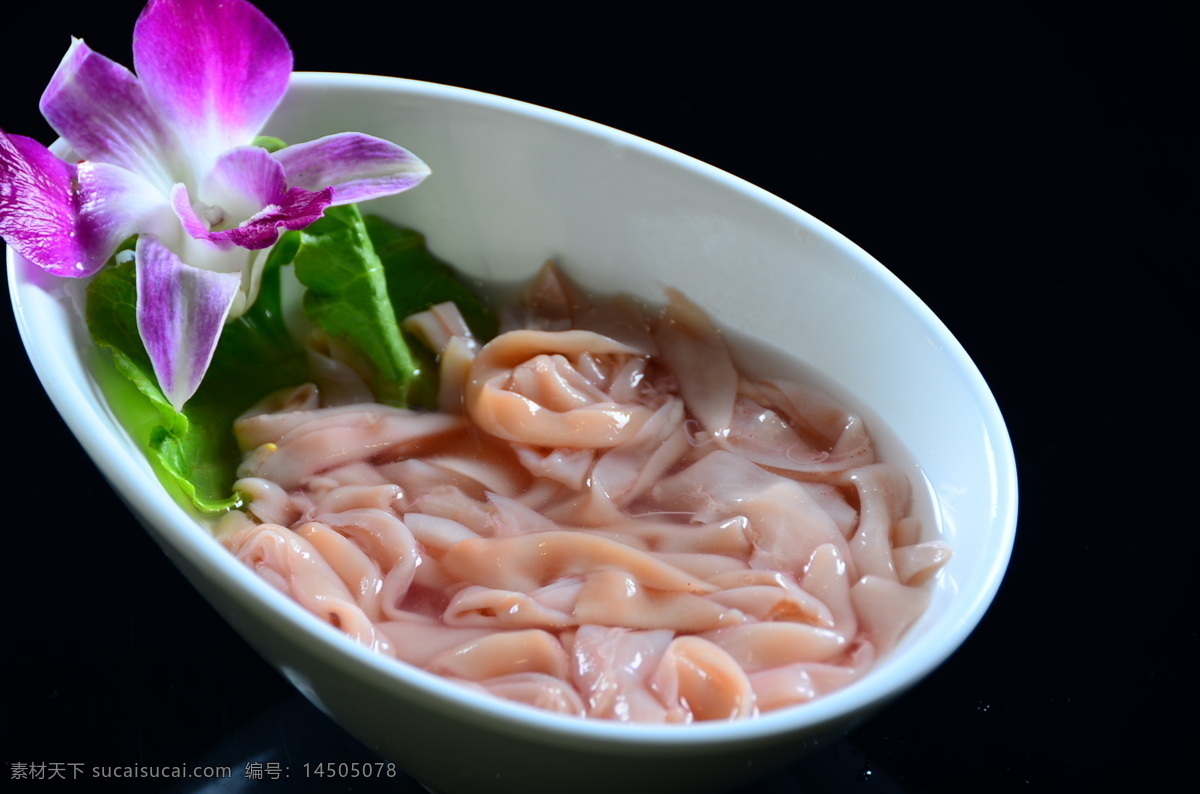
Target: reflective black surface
pixel 1030 173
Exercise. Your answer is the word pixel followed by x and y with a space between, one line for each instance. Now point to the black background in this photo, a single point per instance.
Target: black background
pixel 1029 170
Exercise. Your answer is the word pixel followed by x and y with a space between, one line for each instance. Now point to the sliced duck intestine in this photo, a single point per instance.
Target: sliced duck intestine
pixel 606 518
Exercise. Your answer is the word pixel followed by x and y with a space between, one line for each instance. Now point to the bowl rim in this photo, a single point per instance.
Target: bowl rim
pixel 175 525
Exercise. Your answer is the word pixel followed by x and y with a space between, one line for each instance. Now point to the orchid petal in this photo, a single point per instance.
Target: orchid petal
pixel 115 204
pixel 193 224
pixel 70 219
pixel 180 313
pixel 298 209
pixel 295 210
pixel 247 202
pixel 358 167
pixel 217 68
pixel 101 109
pixel 38 207
pixel 243 181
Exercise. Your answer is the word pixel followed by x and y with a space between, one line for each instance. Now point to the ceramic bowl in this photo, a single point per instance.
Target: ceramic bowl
pixel 514 185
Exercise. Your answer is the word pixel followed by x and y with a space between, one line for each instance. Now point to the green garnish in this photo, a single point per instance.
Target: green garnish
pixel 362 275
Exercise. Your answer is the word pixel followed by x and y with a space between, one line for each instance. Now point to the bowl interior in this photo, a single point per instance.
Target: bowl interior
pixel 514 185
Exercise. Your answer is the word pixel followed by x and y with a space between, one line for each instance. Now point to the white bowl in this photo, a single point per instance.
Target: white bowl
pixel 513 185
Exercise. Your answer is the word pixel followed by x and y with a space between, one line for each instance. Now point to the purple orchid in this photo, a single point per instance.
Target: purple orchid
pixel 168 155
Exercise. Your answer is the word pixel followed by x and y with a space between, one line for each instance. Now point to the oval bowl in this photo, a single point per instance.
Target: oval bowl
pixel 514 185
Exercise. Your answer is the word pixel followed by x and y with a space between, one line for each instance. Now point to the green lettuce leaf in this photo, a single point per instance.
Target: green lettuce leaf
pixel 417 279
pixel 363 276
pixel 194 450
pixel 270 143
pixel 347 296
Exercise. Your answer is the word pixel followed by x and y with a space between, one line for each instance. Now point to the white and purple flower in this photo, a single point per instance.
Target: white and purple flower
pixel 168 155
